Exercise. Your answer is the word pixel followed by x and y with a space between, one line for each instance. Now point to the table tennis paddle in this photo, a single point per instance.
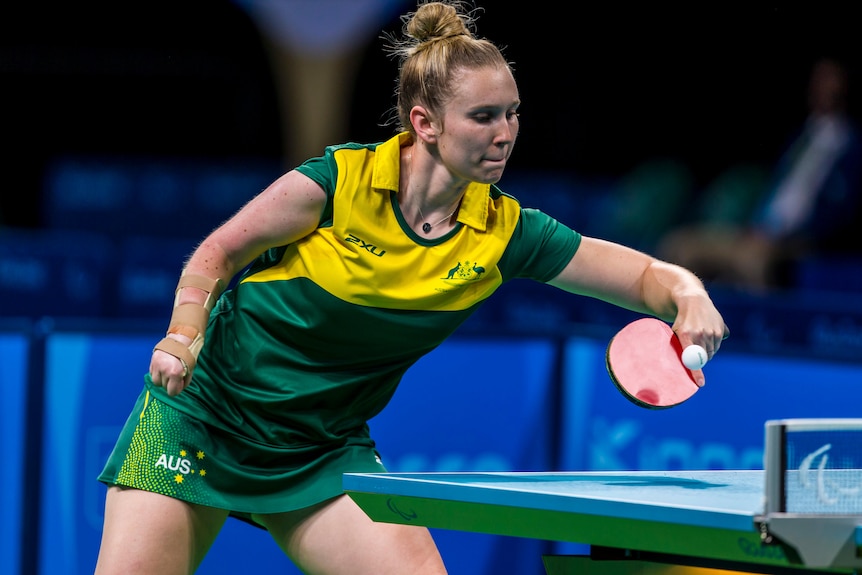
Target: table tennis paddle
pixel 644 362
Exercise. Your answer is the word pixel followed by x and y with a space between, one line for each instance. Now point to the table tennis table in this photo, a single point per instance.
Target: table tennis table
pixel 709 519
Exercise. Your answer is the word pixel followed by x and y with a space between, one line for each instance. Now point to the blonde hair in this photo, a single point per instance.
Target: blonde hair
pixel 439 41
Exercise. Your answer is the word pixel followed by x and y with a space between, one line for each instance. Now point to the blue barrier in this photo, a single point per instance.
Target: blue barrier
pixel 91 382
pixel 469 405
pixel 485 402
pixel 14 353
pixel 476 404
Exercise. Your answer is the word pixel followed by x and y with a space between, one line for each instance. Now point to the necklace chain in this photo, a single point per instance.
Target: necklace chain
pixel 426 227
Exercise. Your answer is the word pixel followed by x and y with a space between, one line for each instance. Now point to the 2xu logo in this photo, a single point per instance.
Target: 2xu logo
pixel 370 248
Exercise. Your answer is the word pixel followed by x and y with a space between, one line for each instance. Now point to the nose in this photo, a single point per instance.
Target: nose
pixel 507 132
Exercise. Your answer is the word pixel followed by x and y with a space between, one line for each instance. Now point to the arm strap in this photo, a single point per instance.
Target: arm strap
pixel 213 287
pixel 179 351
pixel 190 320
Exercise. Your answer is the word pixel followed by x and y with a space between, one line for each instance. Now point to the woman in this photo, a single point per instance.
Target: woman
pixel 362 261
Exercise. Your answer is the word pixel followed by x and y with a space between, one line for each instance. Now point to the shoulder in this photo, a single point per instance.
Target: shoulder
pixel 323 169
pixel 353 158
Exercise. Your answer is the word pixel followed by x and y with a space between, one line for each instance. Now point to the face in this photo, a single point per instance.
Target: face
pixel 479 125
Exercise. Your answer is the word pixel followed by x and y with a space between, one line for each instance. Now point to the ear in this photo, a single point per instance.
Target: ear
pixel 425 126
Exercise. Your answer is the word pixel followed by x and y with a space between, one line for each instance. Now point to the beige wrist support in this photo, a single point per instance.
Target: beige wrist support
pixel 190 320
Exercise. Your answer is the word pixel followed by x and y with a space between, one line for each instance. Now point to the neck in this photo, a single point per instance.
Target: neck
pixel 427 219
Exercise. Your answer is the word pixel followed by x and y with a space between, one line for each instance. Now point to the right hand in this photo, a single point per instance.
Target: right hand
pixel 169 371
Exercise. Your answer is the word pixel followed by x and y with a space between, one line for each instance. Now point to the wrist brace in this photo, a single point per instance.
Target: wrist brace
pixel 190 320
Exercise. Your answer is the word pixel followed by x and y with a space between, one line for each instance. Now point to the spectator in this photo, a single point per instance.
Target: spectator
pixel 809 207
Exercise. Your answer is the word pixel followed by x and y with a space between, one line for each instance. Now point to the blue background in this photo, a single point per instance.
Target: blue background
pixel 13 379
pixel 474 404
pixel 166 125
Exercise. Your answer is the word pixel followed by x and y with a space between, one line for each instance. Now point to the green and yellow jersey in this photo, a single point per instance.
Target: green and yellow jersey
pixel 314 338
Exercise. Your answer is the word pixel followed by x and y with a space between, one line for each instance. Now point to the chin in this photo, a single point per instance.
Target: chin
pixel 487 179
pixel 493 177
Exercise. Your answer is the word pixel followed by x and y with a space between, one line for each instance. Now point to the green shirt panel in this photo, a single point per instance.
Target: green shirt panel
pixel 316 336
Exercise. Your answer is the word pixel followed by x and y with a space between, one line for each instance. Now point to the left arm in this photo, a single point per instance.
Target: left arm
pixel 633 280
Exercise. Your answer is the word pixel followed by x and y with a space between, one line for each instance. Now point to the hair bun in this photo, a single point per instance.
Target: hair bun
pixel 436 21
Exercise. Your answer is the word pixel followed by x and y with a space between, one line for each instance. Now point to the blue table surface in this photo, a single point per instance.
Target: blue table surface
pixel 719 499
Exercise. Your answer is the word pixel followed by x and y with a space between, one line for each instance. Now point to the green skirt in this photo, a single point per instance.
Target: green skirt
pixel 167 451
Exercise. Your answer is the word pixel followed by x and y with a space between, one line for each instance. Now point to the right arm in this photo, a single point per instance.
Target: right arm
pixel 287 210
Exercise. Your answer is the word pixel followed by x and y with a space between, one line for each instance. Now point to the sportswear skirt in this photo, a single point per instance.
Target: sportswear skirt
pixel 164 450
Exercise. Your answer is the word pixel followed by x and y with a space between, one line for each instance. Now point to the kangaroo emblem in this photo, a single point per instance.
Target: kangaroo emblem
pixel 453 271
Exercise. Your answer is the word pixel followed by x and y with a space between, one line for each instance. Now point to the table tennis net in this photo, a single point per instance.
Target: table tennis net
pixel 817 468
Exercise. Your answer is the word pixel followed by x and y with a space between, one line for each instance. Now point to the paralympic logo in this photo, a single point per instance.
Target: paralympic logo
pixel 819 480
pixel 408 515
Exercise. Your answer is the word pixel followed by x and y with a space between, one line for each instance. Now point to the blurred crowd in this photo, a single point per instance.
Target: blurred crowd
pixel 752 227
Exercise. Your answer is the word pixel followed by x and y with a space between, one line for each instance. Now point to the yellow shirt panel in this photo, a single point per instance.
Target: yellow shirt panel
pixel 370 257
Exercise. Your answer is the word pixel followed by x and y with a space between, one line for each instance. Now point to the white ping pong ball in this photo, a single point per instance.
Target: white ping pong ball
pixel 694 357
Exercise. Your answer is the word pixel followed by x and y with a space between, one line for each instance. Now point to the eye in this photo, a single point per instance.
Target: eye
pixel 513 115
pixel 483 118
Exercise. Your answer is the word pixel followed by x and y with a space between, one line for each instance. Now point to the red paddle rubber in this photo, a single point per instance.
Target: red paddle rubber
pixel 643 360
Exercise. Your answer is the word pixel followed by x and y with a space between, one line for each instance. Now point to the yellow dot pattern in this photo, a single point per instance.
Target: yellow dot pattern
pixel 158 456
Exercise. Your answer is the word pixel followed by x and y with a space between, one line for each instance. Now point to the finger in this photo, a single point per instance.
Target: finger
pixel 156 378
pixel 175 386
